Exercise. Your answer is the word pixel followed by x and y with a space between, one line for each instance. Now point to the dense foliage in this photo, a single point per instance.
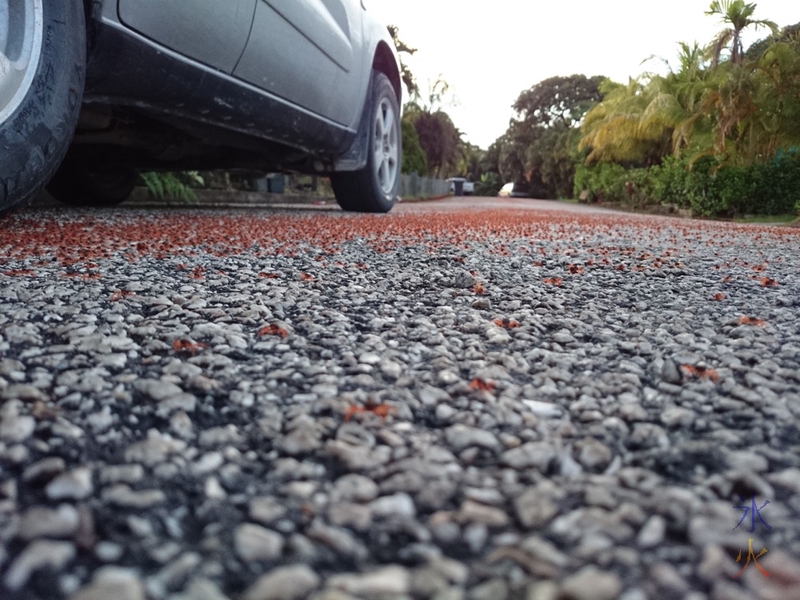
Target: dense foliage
pixel 707 186
pixel 414 158
pixel 718 134
pixel 172 186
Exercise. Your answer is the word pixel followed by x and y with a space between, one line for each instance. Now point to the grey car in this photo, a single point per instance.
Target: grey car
pixel 93 92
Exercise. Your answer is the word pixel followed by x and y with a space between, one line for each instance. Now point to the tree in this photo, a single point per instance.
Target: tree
pixel 787 35
pixel 558 101
pixel 674 103
pixel 508 153
pixel 612 130
pixel 470 161
pixel 541 142
pixel 439 139
pixel 754 107
pixel 739 15
pixel 438 136
pixel 732 126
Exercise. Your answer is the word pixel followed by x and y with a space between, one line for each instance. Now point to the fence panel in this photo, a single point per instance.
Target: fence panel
pixel 415 186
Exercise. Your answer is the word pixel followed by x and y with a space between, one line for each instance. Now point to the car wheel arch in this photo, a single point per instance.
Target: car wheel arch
pixel 384 61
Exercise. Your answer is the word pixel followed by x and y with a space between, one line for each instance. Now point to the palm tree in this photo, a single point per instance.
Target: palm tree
pixel 739 15
pixel 676 98
pixel 613 132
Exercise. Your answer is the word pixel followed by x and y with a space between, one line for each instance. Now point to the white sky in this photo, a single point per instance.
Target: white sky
pixel 490 51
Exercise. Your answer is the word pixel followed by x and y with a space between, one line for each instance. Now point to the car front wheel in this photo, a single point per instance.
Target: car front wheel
pixel 374 188
pixel 42 66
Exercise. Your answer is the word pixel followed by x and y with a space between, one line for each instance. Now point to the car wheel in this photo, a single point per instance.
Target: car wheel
pixel 374 188
pixel 78 186
pixel 42 66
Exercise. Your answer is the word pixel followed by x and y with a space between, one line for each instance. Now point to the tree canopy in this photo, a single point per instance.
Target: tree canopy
pixel 720 109
pixel 540 145
pixel 439 139
pixel 743 109
pixel 558 101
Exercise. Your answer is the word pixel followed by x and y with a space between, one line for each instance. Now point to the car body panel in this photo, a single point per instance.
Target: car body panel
pixel 130 73
pixel 514 190
pixel 325 23
pixel 212 32
pixel 119 74
pixel 326 39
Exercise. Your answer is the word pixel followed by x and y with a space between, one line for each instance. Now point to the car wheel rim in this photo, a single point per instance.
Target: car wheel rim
pixel 386 146
pixel 21 34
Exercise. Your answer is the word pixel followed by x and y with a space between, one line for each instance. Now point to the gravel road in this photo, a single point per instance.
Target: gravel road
pixel 467 399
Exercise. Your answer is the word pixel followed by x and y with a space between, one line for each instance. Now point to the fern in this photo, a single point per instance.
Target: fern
pixel 172 186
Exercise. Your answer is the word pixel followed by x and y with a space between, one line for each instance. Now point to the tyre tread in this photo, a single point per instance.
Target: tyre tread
pixel 36 138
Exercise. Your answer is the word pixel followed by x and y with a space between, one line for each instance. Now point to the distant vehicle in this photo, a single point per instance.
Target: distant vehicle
pixel 514 190
pixel 467 187
pixel 97 91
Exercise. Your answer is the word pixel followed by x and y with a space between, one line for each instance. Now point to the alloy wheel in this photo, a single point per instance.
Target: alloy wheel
pixel 386 146
pixel 21 35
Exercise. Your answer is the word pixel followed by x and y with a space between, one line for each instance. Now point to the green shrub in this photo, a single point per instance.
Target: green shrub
pixel 669 181
pixel 172 186
pixel 707 186
pixel 414 158
pixel 604 182
pixel 777 184
pixel 488 185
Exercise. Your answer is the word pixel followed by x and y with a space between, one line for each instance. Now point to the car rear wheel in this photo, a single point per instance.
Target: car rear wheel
pixel 42 66
pixel 374 188
pixel 78 186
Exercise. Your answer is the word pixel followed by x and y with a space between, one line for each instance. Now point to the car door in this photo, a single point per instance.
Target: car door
pixel 213 32
pixel 308 52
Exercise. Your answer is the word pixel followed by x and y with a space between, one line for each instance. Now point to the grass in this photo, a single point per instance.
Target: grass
pixel 767 219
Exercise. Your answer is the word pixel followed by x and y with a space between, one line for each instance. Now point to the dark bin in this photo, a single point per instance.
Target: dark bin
pixel 276 184
pixel 458 186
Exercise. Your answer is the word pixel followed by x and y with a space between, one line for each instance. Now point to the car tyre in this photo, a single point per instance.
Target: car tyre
pixel 77 186
pixel 374 188
pixel 42 70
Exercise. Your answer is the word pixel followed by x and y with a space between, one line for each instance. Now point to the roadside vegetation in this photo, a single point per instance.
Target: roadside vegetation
pixel 719 134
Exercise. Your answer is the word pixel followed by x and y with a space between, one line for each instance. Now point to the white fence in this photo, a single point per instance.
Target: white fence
pixel 414 186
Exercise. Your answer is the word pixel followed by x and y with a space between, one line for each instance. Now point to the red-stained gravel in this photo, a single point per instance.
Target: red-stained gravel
pixel 81 238
pixel 457 399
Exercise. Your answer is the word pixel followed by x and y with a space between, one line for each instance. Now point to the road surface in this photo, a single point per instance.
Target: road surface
pixel 472 398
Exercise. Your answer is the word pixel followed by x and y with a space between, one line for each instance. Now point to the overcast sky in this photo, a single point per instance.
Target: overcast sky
pixel 490 51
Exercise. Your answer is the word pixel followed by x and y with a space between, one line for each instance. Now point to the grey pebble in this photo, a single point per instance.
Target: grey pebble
pixel 39 554
pixel 253 542
pixel 71 485
pixel 385 581
pixel 112 582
